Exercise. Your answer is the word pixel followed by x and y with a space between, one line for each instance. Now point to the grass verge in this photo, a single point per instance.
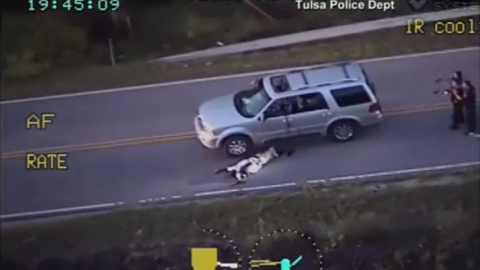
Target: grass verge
pixel 375 44
pixel 421 223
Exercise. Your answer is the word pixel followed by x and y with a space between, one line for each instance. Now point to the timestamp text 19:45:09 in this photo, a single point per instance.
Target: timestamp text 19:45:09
pixel 73 5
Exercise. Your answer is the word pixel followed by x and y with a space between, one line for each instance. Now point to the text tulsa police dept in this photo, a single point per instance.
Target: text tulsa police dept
pixel 345 5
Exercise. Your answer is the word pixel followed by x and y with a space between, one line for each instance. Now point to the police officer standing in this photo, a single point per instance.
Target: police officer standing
pixel 457 77
pixel 456 98
pixel 470 110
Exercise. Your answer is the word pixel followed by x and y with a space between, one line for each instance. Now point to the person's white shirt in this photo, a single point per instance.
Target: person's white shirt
pixel 267 156
pixel 254 166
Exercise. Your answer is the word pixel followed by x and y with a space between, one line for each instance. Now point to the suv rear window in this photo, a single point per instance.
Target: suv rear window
pixel 349 96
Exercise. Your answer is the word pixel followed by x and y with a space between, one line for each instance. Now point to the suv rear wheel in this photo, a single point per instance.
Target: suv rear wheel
pixel 343 131
pixel 237 145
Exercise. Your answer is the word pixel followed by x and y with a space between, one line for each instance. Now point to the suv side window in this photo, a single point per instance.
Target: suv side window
pixel 309 102
pixel 278 108
pixel 297 104
pixel 349 96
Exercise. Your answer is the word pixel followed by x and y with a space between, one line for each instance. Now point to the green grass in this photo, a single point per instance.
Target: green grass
pixel 370 45
pixel 199 24
pixel 393 218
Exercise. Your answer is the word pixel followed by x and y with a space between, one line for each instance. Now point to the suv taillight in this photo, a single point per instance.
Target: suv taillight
pixel 375 108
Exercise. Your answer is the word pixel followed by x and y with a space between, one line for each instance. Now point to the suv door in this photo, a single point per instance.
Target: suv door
pixel 311 113
pixel 275 122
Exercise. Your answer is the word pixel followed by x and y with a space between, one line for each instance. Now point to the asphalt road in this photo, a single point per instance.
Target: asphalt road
pixel 401 83
pixel 183 167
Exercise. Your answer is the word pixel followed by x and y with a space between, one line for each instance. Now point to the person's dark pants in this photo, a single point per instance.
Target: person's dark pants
pixel 471 120
pixel 457 116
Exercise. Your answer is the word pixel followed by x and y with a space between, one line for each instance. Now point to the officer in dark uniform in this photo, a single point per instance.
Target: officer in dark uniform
pixel 456 98
pixel 457 77
pixel 469 98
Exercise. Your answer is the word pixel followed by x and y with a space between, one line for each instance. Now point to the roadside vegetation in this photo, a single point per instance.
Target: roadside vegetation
pixel 59 51
pixel 371 45
pixel 150 28
pixel 429 222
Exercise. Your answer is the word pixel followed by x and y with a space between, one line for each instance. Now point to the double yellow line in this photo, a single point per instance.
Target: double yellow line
pixel 170 138
pixel 102 145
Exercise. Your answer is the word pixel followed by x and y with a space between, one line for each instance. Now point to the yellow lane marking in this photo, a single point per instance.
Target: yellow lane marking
pixel 168 138
pixel 102 145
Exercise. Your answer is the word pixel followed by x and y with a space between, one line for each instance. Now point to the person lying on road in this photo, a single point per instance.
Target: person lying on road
pixel 244 168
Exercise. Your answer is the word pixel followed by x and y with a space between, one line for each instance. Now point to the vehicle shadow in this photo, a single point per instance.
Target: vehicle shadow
pixel 313 140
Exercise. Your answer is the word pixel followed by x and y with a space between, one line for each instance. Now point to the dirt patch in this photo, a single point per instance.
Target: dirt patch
pixel 403 226
pixel 375 44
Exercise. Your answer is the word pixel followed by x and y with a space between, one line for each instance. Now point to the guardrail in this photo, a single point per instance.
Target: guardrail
pixel 322 34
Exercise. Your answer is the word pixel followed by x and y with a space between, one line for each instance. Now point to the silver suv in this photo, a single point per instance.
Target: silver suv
pixel 334 100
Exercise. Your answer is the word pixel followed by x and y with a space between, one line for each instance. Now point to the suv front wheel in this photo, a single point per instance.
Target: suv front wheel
pixel 237 146
pixel 343 131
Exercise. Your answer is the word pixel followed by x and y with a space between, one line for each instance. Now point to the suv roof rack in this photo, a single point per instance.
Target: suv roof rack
pixel 306 87
pixel 338 64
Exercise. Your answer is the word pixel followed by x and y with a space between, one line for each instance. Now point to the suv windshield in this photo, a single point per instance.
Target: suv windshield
pixel 250 102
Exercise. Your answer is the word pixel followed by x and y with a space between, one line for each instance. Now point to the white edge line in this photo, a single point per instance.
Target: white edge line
pixel 317 181
pixel 63 210
pixel 232 76
pixel 269 187
pixel 219 192
pixel 407 171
